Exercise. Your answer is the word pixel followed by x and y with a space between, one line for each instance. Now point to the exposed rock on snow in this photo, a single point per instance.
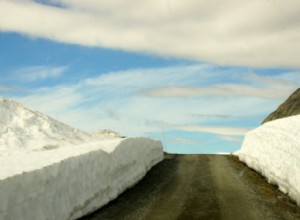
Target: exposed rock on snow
pixel 273 150
pixel 49 170
pixel 108 133
pixel 289 108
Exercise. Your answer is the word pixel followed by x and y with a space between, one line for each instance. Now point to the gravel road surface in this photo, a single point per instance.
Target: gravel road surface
pixel 200 187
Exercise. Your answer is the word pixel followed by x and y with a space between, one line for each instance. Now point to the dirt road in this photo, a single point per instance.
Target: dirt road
pixel 200 187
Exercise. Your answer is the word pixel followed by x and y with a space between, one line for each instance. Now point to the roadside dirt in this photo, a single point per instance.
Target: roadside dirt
pixel 200 187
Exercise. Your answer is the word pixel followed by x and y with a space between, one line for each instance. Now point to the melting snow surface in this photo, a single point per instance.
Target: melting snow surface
pixel 273 150
pixel 49 170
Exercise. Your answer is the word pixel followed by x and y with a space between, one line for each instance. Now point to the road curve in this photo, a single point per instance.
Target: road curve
pixel 200 187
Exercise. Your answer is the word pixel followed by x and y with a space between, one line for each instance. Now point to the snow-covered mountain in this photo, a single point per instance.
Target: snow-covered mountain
pixel 24 129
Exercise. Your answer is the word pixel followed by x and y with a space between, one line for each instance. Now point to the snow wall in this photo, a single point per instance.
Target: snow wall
pixel 69 182
pixel 273 150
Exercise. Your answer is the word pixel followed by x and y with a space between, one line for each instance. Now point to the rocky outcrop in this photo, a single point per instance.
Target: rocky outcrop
pixel 290 107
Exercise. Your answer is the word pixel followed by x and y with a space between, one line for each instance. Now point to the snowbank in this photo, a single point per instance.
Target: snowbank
pixel 49 170
pixel 67 183
pixel 273 150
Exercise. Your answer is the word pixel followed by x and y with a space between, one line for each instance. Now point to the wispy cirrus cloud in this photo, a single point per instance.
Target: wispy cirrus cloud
pixel 217 90
pixel 33 73
pixel 225 33
pixel 231 138
pixel 8 88
pixel 249 84
pixel 184 141
pixel 221 130
pixel 116 100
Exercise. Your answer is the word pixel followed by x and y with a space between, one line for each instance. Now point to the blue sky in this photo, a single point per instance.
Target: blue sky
pixel 197 81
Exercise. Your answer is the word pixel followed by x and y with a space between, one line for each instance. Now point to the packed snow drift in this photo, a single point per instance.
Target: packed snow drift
pixel 49 170
pixel 273 150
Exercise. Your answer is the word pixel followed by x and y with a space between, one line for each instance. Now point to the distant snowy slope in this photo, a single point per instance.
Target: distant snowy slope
pixel 22 128
pixel 273 150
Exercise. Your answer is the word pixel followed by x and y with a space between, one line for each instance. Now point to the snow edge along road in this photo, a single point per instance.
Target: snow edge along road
pixel 69 182
pixel 273 150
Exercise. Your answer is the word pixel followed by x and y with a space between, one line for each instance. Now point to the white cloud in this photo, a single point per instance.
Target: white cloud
pixel 116 101
pixel 232 32
pixel 223 130
pixel 230 138
pixel 8 88
pixel 184 141
pixel 33 73
pixel 251 85
pixel 290 76
pixel 54 100
pixel 218 90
